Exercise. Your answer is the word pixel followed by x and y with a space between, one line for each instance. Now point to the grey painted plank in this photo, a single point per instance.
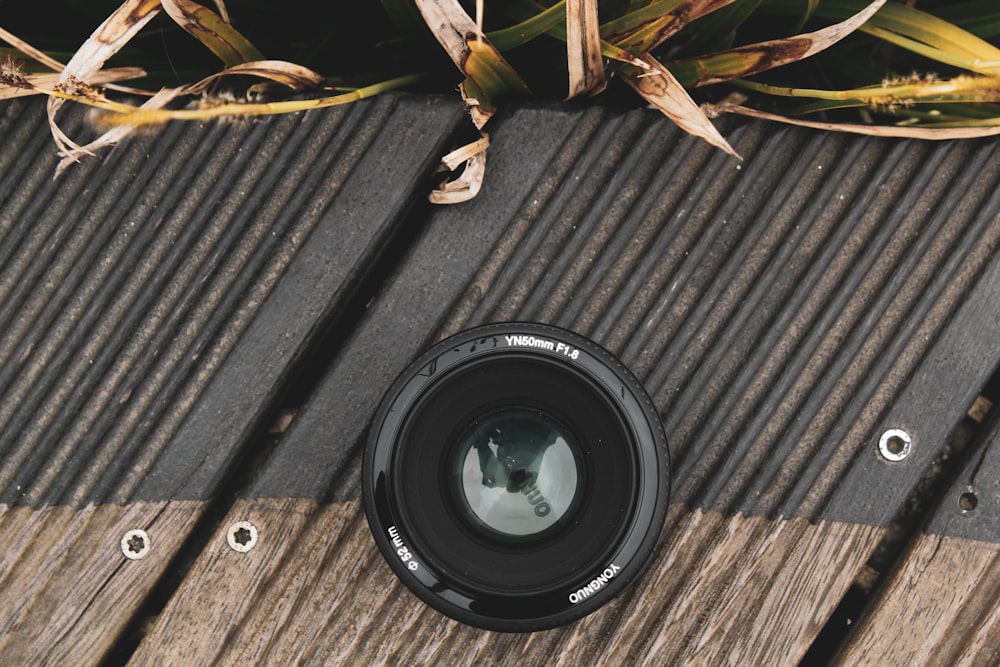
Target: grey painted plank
pixel 155 302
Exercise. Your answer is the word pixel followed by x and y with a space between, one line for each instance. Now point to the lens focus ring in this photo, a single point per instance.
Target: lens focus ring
pixel 516 477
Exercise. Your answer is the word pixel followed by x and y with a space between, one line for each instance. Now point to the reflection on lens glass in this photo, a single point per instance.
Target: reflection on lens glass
pixel 517 471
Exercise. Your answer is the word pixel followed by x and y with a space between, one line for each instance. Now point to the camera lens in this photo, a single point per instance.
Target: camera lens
pixel 516 477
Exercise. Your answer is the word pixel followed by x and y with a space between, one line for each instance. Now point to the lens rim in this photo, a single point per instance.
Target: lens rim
pixel 442 585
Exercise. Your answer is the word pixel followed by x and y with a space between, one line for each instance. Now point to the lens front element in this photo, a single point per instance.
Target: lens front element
pixel 516 477
pixel 517 472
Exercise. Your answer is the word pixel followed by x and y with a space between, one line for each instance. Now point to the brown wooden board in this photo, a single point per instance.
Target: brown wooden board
pixel 941 603
pixel 778 311
pixel 154 303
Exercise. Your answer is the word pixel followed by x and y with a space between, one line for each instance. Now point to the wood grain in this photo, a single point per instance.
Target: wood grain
pixel 66 590
pixel 941 607
pixel 315 590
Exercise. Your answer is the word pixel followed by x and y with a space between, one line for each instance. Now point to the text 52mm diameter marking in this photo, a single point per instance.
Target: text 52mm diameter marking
pixel 402 551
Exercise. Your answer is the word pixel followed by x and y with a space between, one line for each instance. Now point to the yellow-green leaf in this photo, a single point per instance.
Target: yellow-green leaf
pixel 642 31
pixel 488 76
pixel 208 28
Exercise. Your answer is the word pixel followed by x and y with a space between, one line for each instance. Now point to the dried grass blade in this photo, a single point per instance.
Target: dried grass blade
pixel 223 12
pixel 662 90
pixel 583 48
pixel 470 181
pixel 289 74
pixel 115 134
pixel 896 131
pixel 488 75
pixel 116 31
pixel 121 114
pixel 215 33
pixel 753 58
pixel 37 84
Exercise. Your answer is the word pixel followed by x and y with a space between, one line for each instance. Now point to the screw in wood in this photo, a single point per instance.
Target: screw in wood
pixel 242 536
pixel 135 544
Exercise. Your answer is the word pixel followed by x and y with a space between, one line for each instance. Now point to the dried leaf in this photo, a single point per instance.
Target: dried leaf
pixel 223 12
pixel 110 37
pixel 897 131
pixel 37 84
pixel 753 58
pixel 467 185
pixel 454 159
pixel 662 90
pixel 106 41
pixel 488 76
pixel 121 114
pixel 115 134
pixel 583 48
pixel 215 33
pixel 289 74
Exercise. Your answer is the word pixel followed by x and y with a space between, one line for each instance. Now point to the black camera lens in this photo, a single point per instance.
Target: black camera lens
pixel 516 477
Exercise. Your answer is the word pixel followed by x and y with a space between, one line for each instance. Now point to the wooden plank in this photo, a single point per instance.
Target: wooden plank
pixel 68 589
pixel 941 607
pixel 315 590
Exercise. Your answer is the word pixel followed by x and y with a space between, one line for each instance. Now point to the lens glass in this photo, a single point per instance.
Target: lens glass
pixel 517 472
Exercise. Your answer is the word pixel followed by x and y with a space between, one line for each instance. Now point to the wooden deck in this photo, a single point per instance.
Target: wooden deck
pixel 198 326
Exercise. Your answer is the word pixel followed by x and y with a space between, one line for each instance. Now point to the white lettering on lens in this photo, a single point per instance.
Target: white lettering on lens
pixel 543 344
pixel 535 497
pixel 401 550
pixel 599 582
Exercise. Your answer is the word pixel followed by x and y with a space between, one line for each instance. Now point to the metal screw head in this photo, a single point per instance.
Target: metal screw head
pixel 135 544
pixel 894 445
pixel 242 536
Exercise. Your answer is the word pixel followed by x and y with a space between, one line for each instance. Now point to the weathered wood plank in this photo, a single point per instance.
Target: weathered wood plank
pixel 68 589
pixel 315 590
pixel 941 607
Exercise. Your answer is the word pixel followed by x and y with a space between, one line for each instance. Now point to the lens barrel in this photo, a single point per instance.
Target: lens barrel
pixel 516 477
